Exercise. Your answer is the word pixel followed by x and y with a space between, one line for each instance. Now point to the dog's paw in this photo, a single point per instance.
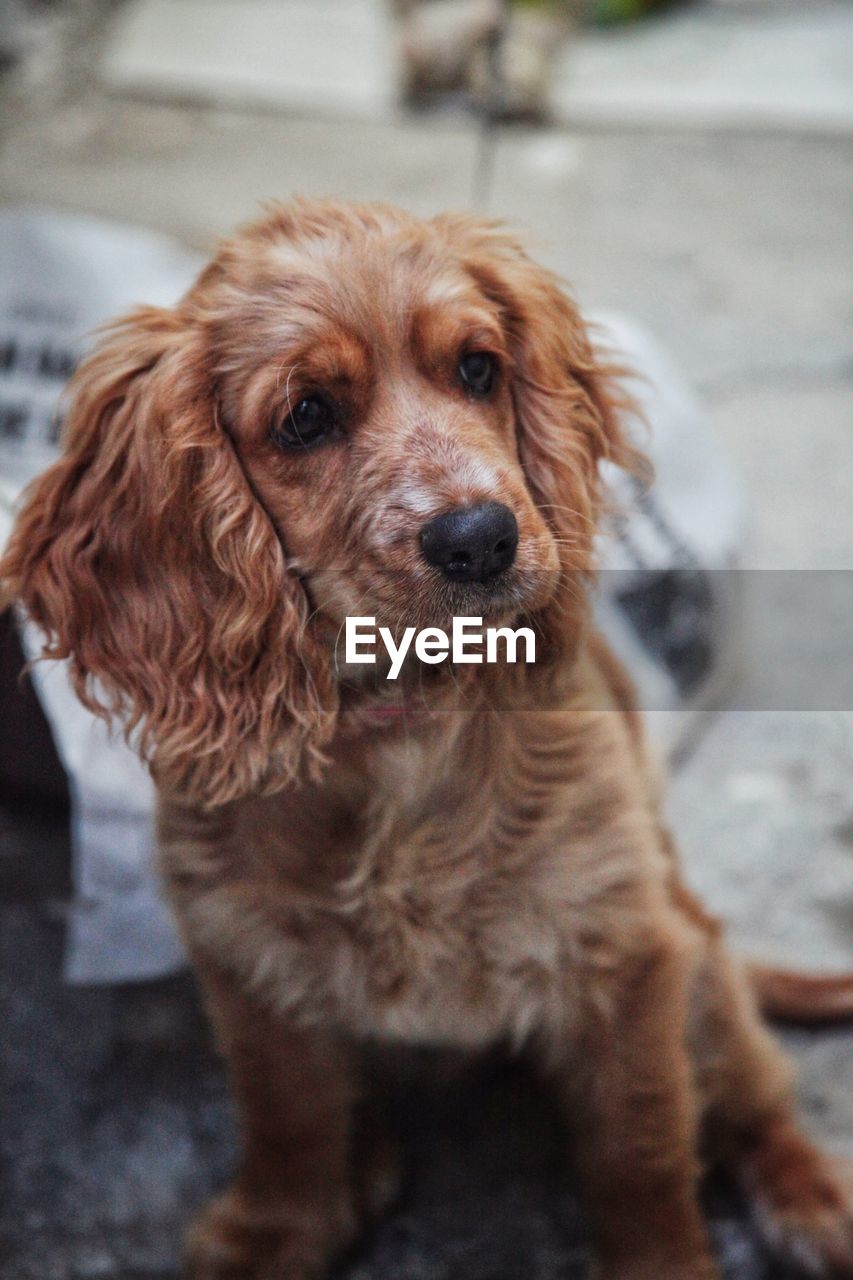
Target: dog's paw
pixel 234 1239
pixel 802 1204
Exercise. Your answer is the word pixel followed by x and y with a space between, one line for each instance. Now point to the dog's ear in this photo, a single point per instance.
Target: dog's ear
pixel 146 559
pixel 570 403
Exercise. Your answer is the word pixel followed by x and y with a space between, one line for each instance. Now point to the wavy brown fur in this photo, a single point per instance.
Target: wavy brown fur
pixel 489 866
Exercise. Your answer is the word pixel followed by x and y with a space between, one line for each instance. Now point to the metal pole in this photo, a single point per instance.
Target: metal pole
pixel 491 111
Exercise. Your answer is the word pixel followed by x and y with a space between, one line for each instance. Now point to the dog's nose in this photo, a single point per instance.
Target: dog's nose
pixel 471 544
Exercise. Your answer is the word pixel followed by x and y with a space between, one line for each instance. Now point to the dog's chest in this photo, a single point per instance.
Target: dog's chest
pixel 425 942
pixel 430 916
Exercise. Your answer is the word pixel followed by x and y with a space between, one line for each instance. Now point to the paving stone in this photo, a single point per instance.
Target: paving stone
pixel 793 443
pixel 709 66
pixel 763 808
pixel 329 55
pixel 196 173
pixel 733 249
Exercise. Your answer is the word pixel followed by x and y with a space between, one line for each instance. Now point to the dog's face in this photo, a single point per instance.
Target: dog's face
pixel 352 412
pixel 367 381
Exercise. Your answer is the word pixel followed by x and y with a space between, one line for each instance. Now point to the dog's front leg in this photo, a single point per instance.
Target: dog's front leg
pixel 290 1210
pixel 632 1108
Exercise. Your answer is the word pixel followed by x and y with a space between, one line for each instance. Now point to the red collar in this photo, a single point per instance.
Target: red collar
pixel 379 716
pixel 390 713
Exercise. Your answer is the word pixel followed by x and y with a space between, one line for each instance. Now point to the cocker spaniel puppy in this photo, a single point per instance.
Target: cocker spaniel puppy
pixel 357 413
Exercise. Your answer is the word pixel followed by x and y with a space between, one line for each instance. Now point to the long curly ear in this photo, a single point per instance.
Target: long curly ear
pixel 146 559
pixel 570 404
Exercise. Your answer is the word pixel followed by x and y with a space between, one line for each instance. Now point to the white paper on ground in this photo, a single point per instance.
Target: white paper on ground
pixel 661 603
pixel 119 927
pixel 61 275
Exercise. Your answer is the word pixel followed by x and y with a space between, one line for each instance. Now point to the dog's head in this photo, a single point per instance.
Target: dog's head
pixel 351 412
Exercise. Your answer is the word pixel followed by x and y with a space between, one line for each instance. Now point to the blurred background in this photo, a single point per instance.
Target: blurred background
pixel 685 165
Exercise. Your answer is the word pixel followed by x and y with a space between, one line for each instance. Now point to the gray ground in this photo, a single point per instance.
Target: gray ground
pixel 116 1124
pixel 734 247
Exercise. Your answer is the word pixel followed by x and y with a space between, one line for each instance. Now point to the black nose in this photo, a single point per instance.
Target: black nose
pixel 471 544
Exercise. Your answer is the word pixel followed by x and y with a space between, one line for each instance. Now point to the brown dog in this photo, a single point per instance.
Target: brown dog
pixel 354 412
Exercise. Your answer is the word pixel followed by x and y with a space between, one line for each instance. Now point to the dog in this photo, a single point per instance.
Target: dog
pixel 356 412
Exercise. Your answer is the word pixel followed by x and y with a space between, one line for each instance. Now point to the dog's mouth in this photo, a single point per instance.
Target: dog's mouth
pixel 424 599
pixel 438 604
pixel 377 693
pixel 401 592
pixel 498 599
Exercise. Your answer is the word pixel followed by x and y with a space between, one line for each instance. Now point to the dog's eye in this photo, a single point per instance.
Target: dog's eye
pixel 477 370
pixel 309 422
